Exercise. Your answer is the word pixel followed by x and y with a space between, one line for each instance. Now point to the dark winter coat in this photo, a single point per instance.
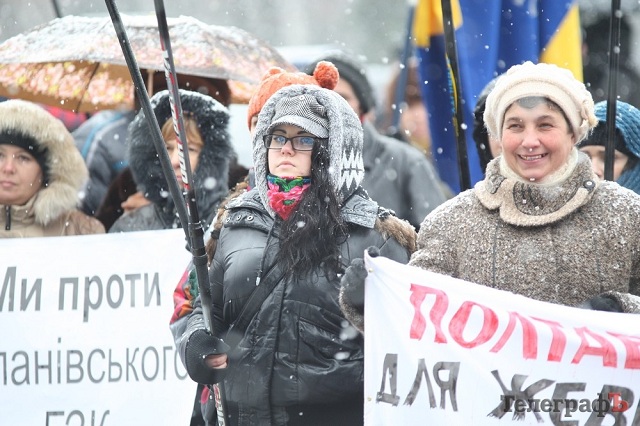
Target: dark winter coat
pixel 297 347
pixel 400 177
pixel 561 244
pixel 102 141
pixel 298 355
pixel 210 177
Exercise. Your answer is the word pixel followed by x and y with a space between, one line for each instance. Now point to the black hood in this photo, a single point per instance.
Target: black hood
pixel 211 174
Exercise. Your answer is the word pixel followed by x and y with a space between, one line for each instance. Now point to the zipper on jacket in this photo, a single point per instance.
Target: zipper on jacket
pixel 264 254
pixel 7 213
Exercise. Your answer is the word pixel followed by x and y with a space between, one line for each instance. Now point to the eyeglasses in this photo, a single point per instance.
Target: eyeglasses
pixel 299 143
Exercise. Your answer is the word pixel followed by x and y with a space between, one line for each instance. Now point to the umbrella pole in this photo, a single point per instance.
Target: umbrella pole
pixel 56 8
pixel 614 60
pixel 196 230
pixel 150 82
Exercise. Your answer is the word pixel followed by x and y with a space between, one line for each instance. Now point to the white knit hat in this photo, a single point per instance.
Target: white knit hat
pixel 545 80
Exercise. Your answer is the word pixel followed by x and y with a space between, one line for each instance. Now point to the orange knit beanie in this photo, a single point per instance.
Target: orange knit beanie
pixel 325 75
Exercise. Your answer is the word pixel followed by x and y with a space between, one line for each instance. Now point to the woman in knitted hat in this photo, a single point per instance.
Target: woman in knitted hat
pixel 626 163
pixel 325 75
pixel 41 173
pixel 275 272
pixel 541 224
pixel 210 150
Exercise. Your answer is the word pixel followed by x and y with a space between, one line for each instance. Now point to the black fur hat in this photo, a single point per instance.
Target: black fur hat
pixel 480 134
pixel 211 174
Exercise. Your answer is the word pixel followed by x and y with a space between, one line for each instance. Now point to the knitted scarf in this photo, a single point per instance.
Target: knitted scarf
pixel 284 193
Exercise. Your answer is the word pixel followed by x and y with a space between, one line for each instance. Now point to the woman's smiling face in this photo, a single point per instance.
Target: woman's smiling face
pixel 536 141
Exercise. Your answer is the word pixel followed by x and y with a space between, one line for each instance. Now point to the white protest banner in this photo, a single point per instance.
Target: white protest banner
pixel 442 351
pixel 84 326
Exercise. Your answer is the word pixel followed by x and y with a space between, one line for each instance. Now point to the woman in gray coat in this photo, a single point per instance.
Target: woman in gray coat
pixel 296 362
pixel 541 223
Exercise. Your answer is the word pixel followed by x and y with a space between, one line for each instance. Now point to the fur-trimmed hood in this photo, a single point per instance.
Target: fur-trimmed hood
pixel 66 170
pixel 345 140
pixel 210 175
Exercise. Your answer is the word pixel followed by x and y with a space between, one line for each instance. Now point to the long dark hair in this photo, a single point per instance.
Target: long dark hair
pixel 312 234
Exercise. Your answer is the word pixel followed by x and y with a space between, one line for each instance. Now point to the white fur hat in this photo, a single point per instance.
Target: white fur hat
pixel 546 80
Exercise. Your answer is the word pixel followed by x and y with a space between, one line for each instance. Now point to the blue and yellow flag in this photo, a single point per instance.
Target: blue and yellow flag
pixel 491 36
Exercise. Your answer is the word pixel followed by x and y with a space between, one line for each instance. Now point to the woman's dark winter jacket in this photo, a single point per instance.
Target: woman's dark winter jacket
pixel 298 347
pixel 298 361
pixel 210 177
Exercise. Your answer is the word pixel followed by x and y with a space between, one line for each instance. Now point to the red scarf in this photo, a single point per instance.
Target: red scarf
pixel 284 193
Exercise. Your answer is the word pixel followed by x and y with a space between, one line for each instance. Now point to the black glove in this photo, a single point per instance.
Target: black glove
pixel 353 280
pixel 199 346
pixel 603 302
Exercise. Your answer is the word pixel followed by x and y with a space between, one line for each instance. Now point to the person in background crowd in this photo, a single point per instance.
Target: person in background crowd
pixel 293 233
pixel 102 138
pixel 595 59
pixel 325 75
pixel 488 147
pixel 414 120
pixel 626 163
pixel 541 224
pixel 71 120
pixel 397 175
pixel 41 173
pixel 205 122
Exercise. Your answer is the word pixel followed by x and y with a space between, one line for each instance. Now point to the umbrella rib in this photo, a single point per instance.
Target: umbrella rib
pixel 93 73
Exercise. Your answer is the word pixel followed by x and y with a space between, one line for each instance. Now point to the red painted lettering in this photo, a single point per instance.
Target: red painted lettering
pixel 632 345
pixel 529 336
pixel 460 319
pixel 558 340
pixel 419 324
pixel 606 350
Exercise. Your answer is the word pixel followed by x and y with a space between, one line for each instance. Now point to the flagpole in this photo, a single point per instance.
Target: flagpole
pixel 614 61
pixel 457 99
pixel 401 84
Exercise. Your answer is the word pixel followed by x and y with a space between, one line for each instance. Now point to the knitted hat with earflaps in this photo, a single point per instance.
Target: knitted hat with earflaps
pixel 331 115
pixel 324 75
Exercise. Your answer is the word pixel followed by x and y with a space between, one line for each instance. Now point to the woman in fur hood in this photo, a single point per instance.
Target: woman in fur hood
pixel 41 173
pixel 205 121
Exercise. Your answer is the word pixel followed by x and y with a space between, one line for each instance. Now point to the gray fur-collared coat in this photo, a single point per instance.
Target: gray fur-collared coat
pixel 560 244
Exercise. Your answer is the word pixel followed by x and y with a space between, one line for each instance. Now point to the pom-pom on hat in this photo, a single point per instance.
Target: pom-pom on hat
pixel 324 75
pixel 545 80
pixel 354 73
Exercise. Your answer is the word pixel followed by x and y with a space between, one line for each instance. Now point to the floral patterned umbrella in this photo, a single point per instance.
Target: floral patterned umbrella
pixel 76 62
